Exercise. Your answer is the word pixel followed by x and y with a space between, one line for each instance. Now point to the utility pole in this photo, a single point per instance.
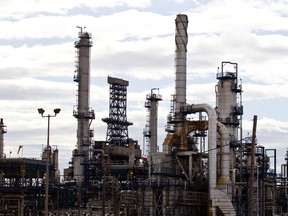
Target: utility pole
pixel 251 177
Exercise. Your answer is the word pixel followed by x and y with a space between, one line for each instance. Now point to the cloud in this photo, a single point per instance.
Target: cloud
pixel 269 124
pixel 254 91
pixel 15 10
pixel 136 42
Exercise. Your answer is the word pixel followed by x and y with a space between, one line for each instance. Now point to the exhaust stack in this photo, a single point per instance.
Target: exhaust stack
pixel 181 39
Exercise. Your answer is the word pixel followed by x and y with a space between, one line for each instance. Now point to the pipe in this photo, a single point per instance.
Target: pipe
pixel 225 153
pixel 212 139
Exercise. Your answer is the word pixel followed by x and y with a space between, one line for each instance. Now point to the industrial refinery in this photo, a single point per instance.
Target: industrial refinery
pixel 206 165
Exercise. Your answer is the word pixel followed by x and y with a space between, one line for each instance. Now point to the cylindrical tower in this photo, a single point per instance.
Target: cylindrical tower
pixel 2 131
pixel 181 40
pixel 82 111
pixel 178 100
pixel 229 103
pixel 151 131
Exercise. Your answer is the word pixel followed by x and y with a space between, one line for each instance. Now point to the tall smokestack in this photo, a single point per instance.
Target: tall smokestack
pixel 181 39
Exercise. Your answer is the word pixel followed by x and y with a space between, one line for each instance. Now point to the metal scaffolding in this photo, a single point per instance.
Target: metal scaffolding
pixel 117 124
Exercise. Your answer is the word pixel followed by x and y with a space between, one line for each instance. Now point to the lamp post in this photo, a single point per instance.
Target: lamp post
pixel 41 112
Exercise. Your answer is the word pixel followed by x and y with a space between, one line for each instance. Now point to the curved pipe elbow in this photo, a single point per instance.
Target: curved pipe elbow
pixel 202 108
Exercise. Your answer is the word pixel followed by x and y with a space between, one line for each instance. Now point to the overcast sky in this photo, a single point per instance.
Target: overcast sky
pixel 134 40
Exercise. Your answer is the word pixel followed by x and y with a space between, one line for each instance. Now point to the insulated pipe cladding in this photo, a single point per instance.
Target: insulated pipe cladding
pixel 212 139
pixel 225 154
pixel 181 40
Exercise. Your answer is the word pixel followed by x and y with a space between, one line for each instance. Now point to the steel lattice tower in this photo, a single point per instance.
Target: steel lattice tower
pixel 117 124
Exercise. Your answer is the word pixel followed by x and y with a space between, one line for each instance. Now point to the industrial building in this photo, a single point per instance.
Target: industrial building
pixel 206 167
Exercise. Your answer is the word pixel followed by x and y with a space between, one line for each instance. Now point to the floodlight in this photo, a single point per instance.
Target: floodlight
pixel 41 111
pixel 57 110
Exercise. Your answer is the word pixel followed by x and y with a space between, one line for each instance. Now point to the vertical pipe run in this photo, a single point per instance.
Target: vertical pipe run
pixel 212 146
pixel 181 39
pixel 225 154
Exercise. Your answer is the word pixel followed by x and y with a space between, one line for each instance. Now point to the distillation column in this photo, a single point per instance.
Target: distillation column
pixel 82 111
pixel 151 131
pixel 229 113
pixel 2 131
pixel 229 103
